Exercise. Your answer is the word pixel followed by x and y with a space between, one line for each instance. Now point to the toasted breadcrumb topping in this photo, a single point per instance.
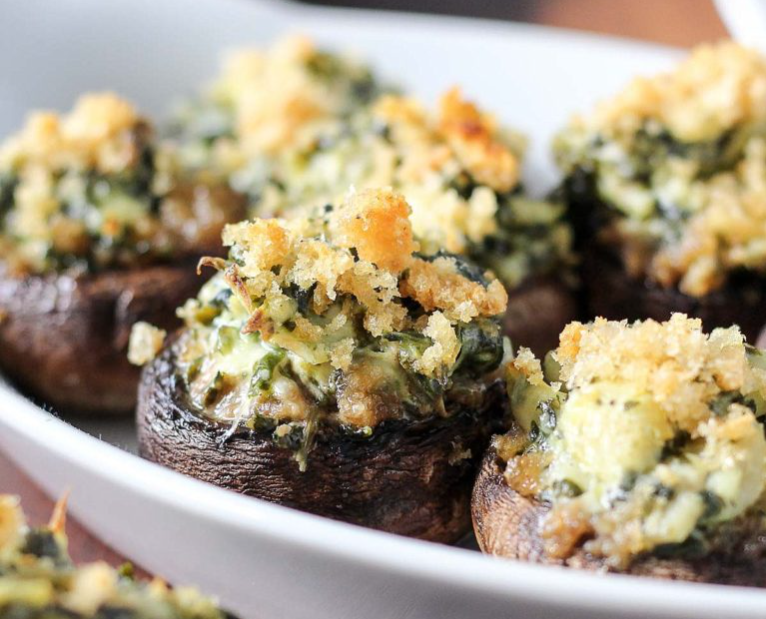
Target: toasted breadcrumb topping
pixel 458 136
pixel 427 148
pixel 640 435
pixel 360 224
pixel 336 318
pixel 680 366
pixel 87 190
pixel 680 159
pixel 717 88
pixel 274 96
pixel 282 95
pixel 727 231
pixel 445 348
pixel 367 253
pixel 95 134
pixel 529 365
pixel 438 285
pixel 457 166
pixel 473 136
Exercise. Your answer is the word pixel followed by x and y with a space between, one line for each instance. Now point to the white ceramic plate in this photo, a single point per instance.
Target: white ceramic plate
pixel 266 561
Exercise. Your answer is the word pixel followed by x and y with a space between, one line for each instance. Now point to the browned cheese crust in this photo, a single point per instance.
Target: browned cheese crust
pixel 64 339
pixel 408 478
pixel 509 525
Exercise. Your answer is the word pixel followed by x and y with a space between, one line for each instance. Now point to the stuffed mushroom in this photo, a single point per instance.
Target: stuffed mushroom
pixel 458 168
pixel 96 233
pixel 667 186
pixel 330 367
pixel 634 448
pixel 39 581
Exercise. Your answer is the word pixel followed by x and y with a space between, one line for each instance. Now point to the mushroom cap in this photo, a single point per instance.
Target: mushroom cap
pixel 409 477
pixel 613 294
pixel 63 338
pixel 509 525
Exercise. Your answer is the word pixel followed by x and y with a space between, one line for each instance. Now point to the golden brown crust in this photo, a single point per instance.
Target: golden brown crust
pixel 408 478
pixel 64 339
pixel 472 135
pixel 509 525
pixel 716 88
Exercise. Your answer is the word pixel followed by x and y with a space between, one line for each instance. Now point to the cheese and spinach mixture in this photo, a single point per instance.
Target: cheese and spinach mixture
pixel 678 163
pixel 39 581
pixel 89 191
pixel 329 126
pixel 268 105
pixel 643 438
pixel 336 319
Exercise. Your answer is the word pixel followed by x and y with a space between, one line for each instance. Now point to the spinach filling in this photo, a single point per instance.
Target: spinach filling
pixel 624 467
pixel 668 174
pixel 365 330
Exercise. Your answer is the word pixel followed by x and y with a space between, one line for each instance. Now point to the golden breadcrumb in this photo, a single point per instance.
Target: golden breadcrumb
pixel 97 133
pixel 278 101
pixel 445 348
pixel 365 250
pixel 360 223
pixel 438 285
pixel 716 88
pixel 472 136
pixel 529 365
pixel 267 241
pixel 675 361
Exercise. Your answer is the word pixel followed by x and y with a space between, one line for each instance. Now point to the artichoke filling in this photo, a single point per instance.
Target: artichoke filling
pixel 677 166
pixel 91 190
pixel 457 167
pixel 39 581
pixel 336 319
pixel 643 438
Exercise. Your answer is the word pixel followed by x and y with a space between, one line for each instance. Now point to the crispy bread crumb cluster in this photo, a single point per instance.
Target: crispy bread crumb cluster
pixel 680 366
pixel 281 96
pixel 96 134
pixel 717 88
pixel 424 150
pixel 362 251
pixel 459 134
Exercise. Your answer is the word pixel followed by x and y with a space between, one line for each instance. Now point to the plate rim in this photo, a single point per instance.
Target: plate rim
pixel 443 564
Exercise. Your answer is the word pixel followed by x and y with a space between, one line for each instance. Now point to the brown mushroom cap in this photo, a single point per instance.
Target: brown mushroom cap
pixel 538 311
pixel 410 477
pixel 613 294
pixel 509 525
pixel 64 339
